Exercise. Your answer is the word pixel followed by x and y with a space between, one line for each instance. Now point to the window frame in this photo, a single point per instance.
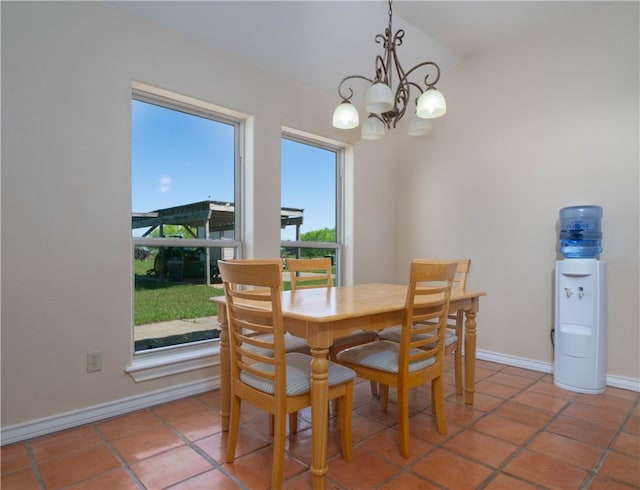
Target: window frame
pixel 179 358
pixel 340 151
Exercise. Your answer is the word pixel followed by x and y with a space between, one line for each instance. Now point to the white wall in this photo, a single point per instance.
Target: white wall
pixel 67 70
pixel 531 128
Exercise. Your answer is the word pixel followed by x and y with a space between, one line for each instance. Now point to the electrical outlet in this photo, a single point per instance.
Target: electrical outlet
pixel 94 362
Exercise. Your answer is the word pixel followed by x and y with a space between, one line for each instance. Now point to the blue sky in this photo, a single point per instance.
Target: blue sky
pixel 179 159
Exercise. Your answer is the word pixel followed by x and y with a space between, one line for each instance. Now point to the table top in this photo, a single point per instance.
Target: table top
pixel 338 303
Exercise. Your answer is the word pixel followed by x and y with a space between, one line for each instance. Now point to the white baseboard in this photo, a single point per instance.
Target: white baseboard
pixel 75 418
pixel 623 382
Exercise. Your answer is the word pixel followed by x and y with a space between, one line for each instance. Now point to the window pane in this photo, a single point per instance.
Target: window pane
pixel 179 159
pixel 309 184
pixel 183 186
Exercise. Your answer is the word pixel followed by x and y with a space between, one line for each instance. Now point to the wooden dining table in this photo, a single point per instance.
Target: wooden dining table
pixel 324 314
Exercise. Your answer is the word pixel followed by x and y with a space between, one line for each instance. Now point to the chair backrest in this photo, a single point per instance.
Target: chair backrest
pixel 318 273
pixel 462 271
pixel 253 297
pixel 426 310
pixel 276 261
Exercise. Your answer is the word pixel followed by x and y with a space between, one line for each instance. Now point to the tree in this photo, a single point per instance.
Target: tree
pixel 322 235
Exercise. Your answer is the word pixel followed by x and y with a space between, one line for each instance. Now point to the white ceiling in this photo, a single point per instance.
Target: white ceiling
pixel 317 43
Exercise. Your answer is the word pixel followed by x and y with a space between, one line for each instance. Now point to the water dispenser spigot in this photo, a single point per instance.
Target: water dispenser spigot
pixel 568 292
pixel 580 292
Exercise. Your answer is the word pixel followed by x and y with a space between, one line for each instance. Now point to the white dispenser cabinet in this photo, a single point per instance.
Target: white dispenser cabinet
pixel 580 361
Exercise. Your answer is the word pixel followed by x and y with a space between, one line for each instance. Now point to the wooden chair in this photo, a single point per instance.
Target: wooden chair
pixel 318 273
pixel 455 322
pixel 415 359
pixel 279 384
pixel 291 343
pixel 310 273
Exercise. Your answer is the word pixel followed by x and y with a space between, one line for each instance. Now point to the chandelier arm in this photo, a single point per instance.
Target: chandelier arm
pixel 426 63
pixel 348 98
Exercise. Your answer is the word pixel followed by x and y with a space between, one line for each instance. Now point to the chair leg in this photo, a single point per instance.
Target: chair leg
pixel 437 399
pixel 271 424
pixel 384 397
pixel 345 403
pixel 458 353
pixel 277 469
pixel 234 428
pixel 293 423
pixel 403 421
pixel 374 388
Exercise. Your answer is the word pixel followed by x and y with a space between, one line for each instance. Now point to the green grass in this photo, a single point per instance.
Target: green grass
pixel 156 301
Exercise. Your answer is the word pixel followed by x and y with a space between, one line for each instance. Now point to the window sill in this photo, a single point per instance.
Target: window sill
pixel 174 360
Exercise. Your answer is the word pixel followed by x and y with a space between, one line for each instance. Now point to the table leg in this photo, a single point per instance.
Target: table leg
pixel 319 415
pixel 469 355
pixel 225 369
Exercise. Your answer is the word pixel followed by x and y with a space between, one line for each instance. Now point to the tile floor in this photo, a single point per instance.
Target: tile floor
pixel 521 433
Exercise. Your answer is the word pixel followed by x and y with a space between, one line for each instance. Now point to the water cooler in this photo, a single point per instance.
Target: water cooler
pixel 580 357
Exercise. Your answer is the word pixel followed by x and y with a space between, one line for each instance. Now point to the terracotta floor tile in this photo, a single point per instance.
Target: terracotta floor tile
pixel 146 444
pixel 62 443
pixel 481 447
pixel 481 401
pixel 498 390
pixel 506 429
pixel 14 457
pixel 607 401
pixel 509 380
pixel 117 479
pixel 600 482
pixel 599 415
pixel 621 467
pixel 19 480
pixel 423 426
pixel 363 428
pixel 451 470
pixel 633 425
pixel 407 481
pixel 300 445
pixel 524 373
pixel 525 414
pixel 77 466
pixel 461 414
pixel 628 444
pixel 365 471
pixel 542 401
pixel 545 470
pixel 214 479
pixel 198 425
pixel 129 424
pixel 386 444
pixel 581 430
pixel 548 388
pixel 506 482
pixel 215 446
pixel 180 408
pixel 170 467
pixel 254 469
pixel 570 450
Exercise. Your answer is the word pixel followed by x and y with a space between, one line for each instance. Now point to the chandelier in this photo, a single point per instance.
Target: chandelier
pixel 387 104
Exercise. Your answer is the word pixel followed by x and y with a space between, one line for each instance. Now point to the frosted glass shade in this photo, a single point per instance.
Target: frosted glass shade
pixel 379 99
pixel 345 116
pixel 431 104
pixel 419 126
pixel 372 129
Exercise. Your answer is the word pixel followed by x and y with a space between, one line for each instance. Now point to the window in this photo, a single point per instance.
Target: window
pixel 184 216
pixel 312 194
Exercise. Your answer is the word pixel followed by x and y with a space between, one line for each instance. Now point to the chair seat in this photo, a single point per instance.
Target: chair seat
pixel 393 334
pixel 382 355
pixel 298 375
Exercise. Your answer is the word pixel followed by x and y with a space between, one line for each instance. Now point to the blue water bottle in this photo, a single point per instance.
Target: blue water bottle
pixel 580 233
